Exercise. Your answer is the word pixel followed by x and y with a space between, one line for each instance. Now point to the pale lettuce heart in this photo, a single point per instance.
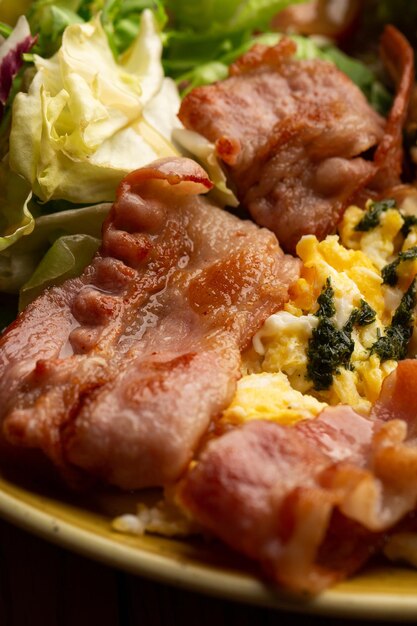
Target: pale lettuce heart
pixel 87 120
pixel 203 151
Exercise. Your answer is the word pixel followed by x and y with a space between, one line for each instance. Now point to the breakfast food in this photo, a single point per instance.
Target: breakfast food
pixel 308 502
pixel 269 395
pixel 299 162
pixel 324 418
pixel 145 347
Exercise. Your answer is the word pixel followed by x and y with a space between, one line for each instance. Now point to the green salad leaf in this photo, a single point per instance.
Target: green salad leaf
pixel 121 20
pixel 376 93
pixel 66 258
pixel 203 32
pixel 15 217
pixel 19 262
pixel 49 19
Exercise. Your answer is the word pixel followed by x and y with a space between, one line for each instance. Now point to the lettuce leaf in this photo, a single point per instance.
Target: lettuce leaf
pixel 203 151
pixel 18 262
pixel 14 45
pixel 121 20
pixel 66 258
pixel 377 95
pixel 224 16
pixel 12 49
pixel 15 217
pixel 91 120
pixel 49 18
pixel 204 32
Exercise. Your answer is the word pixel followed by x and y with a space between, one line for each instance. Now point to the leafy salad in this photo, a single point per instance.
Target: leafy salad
pixel 89 90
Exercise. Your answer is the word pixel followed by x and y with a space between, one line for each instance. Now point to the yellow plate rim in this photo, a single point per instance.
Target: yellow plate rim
pixel 194 576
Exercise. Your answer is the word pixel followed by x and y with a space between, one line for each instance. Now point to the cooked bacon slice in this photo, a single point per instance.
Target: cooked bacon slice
pixel 291 134
pixel 120 371
pixel 398 398
pixel 319 17
pixel 398 57
pixel 294 135
pixel 309 502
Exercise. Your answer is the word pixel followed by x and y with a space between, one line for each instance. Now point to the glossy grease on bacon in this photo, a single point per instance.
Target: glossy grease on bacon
pixel 296 136
pixel 119 372
pixel 314 501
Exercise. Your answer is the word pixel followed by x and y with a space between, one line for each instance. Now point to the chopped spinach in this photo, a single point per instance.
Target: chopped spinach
pixel 394 344
pixel 372 216
pixel 409 221
pixel 329 347
pixel 389 272
pixel 325 301
pixel 362 316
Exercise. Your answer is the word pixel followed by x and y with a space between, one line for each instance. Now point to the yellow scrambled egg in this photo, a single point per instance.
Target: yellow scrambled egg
pixel 277 383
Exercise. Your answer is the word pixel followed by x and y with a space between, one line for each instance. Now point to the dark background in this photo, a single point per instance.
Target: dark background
pixel 44 585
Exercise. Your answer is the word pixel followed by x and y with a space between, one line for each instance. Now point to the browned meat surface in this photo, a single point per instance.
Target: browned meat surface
pixel 319 17
pixel 310 502
pixel 294 135
pixel 120 371
pixel 398 56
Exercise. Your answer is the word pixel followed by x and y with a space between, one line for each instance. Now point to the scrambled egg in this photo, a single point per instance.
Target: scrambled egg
pixel 277 383
pixel 267 396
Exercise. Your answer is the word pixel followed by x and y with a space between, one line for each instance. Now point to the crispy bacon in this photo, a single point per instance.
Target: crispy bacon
pixel 295 136
pixel 309 502
pixel 120 371
pixel 398 57
pixel 398 399
pixel 330 18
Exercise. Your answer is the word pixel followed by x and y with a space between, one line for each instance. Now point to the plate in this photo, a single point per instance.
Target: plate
pixel 83 524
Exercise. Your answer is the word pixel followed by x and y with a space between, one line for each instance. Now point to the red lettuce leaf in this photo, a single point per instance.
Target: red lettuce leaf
pixel 11 51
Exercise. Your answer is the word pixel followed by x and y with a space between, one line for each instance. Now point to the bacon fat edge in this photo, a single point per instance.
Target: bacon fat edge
pixel 312 502
pixel 117 373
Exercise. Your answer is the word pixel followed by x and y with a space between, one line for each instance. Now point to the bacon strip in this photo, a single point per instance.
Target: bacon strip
pixel 319 17
pixel 120 371
pixel 295 136
pixel 398 57
pixel 398 398
pixel 309 502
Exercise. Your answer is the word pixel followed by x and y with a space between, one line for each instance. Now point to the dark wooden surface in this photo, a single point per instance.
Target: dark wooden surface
pixel 44 585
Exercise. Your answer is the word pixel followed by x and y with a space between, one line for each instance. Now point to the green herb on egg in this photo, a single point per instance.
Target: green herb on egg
pixel 372 216
pixel 409 221
pixel 389 272
pixel 394 344
pixel 363 316
pixel 329 347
